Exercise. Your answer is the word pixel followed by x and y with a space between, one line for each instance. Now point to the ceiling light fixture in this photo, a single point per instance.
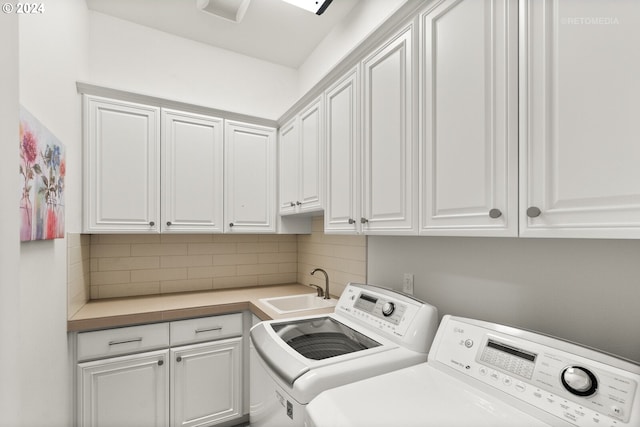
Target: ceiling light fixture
pixel 315 6
pixel 232 10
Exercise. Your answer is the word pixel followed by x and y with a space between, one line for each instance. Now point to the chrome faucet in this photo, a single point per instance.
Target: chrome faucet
pixel 326 281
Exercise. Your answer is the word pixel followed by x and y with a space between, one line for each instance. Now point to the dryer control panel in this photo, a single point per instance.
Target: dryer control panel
pixel 582 386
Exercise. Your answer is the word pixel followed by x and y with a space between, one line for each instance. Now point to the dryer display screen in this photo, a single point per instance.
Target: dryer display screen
pixel 510 359
pixel 525 355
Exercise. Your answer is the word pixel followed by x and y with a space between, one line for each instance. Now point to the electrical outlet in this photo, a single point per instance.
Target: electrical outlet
pixel 407 283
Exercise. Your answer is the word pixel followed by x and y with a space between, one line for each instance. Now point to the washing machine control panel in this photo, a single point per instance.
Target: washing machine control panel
pixel 579 385
pixel 404 319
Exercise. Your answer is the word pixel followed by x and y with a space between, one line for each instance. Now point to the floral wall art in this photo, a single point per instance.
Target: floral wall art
pixel 42 173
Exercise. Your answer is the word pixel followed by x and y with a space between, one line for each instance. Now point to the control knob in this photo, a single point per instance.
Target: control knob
pixel 579 381
pixel 388 308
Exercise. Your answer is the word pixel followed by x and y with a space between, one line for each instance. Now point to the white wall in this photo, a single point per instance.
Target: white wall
pixel 53 56
pixel 587 291
pixel 10 384
pixel 138 59
pixel 365 17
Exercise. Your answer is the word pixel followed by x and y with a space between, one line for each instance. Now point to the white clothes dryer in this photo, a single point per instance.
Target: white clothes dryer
pixel 481 374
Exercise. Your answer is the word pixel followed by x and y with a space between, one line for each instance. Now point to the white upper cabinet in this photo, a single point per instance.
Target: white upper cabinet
pixel 468 113
pixel 312 157
pixel 389 167
pixel 289 167
pixel 302 161
pixel 250 178
pixel 122 166
pixel 342 211
pixel 150 170
pixel 579 112
pixel 192 173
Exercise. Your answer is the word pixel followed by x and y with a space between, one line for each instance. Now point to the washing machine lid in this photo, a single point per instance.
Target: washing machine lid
pixel 419 395
pixel 292 348
pixel 322 337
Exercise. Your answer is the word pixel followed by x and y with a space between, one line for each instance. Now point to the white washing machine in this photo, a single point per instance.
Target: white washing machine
pixel 372 331
pixel 482 374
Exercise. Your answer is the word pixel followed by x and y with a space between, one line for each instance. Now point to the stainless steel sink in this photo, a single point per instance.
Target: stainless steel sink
pixel 293 303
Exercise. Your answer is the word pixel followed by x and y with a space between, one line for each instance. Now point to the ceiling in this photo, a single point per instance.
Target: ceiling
pixel 272 30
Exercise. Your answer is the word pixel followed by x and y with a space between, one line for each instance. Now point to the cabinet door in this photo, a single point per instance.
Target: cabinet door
pixel 468 112
pixel 579 151
pixel 289 167
pixel 122 174
pixel 343 147
pixel 250 178
pixel 192 173
pixel 124 391
pixel 312 157
pixel 389 154
pixel 206 383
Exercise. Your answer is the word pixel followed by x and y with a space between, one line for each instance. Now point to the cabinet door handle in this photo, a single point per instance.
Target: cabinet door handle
pixel 292 204
pixel 352 221
pixel 298 203
pixel 126 341
pixel 230 224
pixel 495 213
pixel 533 212
pixel 151 223
pixel 160 362
pixel 201 330
pixel 168 223
pixel 363 220
pixel 179 359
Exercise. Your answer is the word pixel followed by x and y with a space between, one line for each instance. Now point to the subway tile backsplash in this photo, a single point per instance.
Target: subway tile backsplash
pixel 128 265
pixel 78 271
pixel 109 265
pixel 343 257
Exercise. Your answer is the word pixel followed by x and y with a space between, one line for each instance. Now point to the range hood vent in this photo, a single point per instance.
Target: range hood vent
pixel 231 10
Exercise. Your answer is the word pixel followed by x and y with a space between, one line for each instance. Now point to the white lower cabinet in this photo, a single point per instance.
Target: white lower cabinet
pixel 194 380
pixel 206 383
pixel 124 391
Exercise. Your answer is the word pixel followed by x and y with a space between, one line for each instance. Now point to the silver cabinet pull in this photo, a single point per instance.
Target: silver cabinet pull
pixel 160 362
pixel 495 213
pixel 201 330
pixel 533 212
pixel 179 359
pixel 230 224
pixel 125 341
pixel 352 221
pixel 363 220
pixel 168 223
pixel 151 223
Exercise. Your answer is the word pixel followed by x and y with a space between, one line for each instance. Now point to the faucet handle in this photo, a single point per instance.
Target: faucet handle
pixel 319 290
